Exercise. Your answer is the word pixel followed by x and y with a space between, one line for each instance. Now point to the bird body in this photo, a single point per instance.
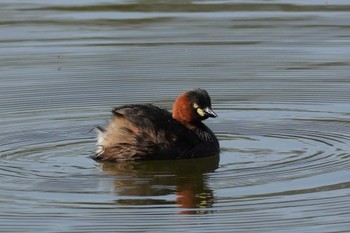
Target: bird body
pixel 145 131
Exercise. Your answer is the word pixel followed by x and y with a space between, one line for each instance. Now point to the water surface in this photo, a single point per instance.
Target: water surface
pixel 278 74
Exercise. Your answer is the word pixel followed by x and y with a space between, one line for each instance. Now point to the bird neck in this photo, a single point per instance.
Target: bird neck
pixel 182 111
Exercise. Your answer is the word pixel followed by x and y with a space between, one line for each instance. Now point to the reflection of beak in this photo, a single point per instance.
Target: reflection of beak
pixel 209 112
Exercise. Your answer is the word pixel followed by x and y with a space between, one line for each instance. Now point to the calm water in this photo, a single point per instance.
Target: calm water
pixel 278 73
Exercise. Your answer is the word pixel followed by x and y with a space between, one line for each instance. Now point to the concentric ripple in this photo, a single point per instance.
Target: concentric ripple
pixel 278 75
pixel 296 165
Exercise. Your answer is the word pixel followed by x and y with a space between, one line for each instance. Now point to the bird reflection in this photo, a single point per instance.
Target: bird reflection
pixel 154 182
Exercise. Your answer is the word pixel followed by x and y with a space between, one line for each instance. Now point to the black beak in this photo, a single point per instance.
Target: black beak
pixel 209 112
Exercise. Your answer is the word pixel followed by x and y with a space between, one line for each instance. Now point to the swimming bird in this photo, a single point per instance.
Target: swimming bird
pixel 145 131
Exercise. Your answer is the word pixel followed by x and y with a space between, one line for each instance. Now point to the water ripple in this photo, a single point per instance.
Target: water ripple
pixel 266 167
pixel 278 76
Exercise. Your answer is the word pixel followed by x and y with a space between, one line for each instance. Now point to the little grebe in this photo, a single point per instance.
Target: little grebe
pixel 144 131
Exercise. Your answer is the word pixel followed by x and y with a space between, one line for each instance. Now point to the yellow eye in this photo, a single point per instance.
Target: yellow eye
pixel 200 112
pixel 195 105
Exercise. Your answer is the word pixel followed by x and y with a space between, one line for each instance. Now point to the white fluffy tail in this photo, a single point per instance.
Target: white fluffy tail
pixel 100 138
